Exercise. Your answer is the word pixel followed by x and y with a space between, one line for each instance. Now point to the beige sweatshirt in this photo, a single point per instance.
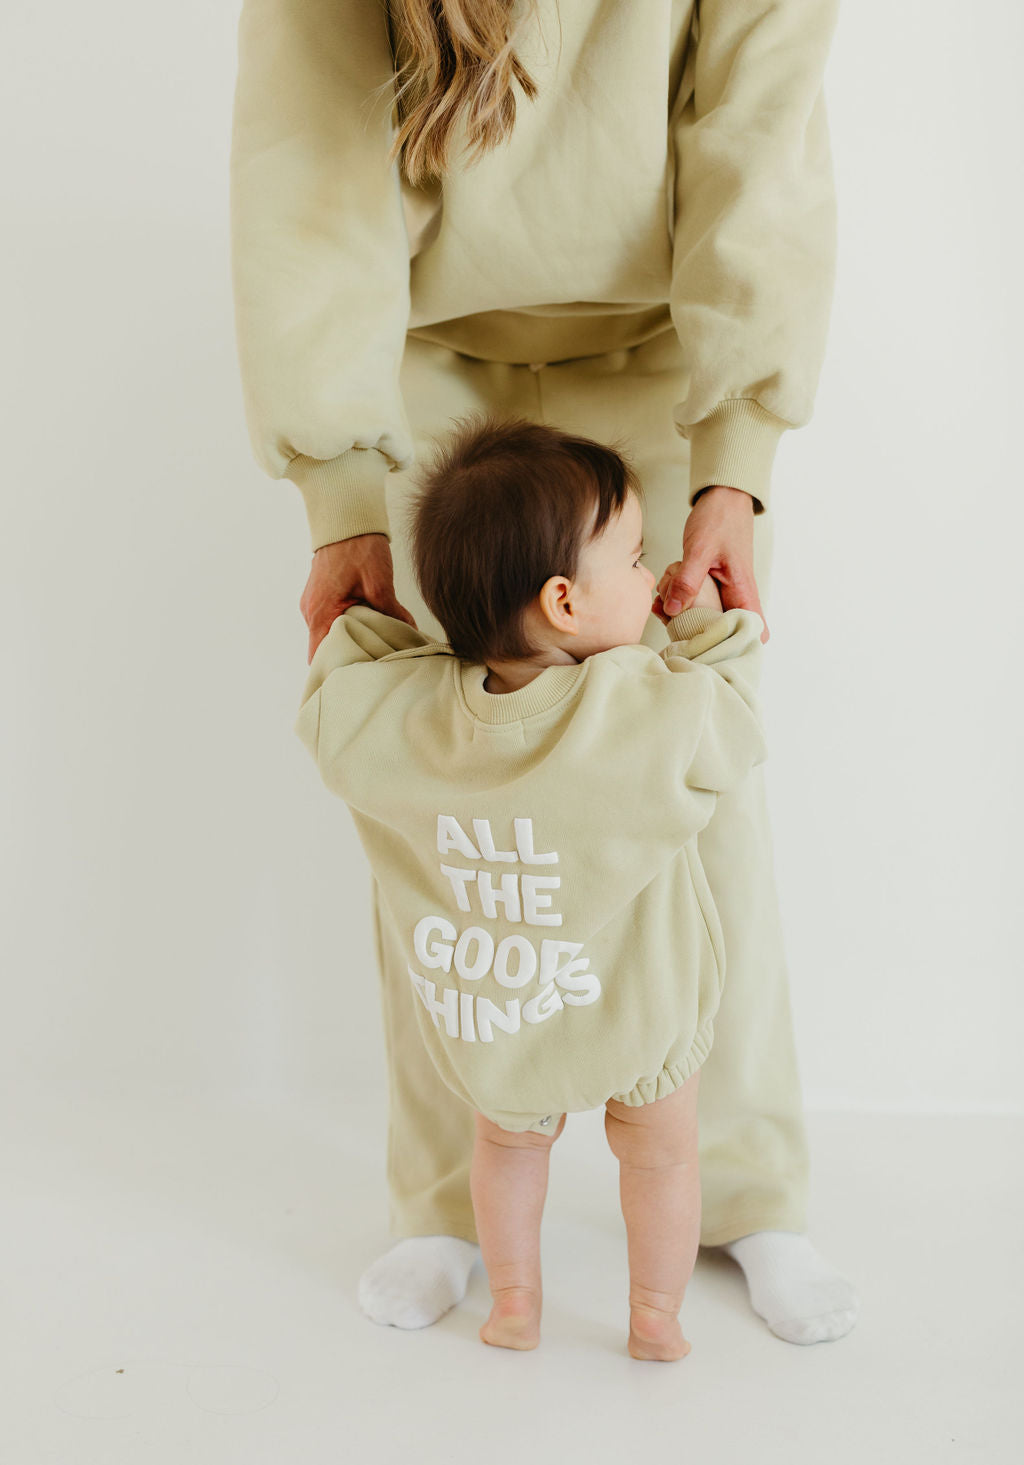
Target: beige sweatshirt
pixel 536 851
pixel 674 170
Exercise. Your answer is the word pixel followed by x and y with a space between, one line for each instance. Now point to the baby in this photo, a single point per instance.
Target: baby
pixel 529 794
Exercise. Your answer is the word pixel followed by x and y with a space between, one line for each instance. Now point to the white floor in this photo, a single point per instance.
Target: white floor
pixel 180 1287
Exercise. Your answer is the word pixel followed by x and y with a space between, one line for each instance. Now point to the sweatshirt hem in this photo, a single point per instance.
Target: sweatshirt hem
pixel 551 335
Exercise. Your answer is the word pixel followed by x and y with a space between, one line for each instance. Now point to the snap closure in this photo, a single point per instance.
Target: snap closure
pixel 545 1120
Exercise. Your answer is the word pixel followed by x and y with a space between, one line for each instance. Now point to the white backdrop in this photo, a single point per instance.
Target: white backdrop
pixel 184 904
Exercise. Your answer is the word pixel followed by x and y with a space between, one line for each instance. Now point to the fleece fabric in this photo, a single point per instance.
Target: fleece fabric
pixel 536 851
pixel 674 170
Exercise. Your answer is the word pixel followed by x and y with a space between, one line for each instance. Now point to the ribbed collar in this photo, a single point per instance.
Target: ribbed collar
pixel 554 683
pixel 548 688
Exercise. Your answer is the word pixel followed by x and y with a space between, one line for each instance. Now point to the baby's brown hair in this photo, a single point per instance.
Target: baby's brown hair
pixel 505 505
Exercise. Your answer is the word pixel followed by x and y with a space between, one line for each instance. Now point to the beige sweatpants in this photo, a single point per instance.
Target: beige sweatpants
pixel 753 1149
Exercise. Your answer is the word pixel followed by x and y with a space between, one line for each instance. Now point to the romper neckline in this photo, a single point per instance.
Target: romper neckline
pixel 547 689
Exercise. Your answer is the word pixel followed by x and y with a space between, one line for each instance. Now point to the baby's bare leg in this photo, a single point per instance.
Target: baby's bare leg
pixel 659 1187
pixel 508 1181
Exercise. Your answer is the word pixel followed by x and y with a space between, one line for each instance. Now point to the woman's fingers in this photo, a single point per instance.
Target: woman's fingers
pixel 741 591
pixel 392 607
pixel 738 588
pixel 356 571
pixel 319 627
pixel 658 609
pixel 718 540
pixel 681 582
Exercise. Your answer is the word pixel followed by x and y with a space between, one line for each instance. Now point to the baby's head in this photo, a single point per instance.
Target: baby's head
pixel 526 544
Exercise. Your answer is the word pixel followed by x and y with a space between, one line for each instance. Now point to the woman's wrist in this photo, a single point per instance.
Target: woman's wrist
pixel 723 491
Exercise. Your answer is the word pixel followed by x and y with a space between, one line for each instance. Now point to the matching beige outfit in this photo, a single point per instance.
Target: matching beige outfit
pixel 649 260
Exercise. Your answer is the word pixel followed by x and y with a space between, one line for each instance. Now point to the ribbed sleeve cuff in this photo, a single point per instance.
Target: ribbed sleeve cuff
pixel 691 622
pixel 735 445
pixel 344 496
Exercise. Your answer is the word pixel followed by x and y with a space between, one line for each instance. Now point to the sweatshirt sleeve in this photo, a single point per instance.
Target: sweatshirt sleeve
pixel 722 651
pixel 754 237
pixel 360 635
pixel 320 256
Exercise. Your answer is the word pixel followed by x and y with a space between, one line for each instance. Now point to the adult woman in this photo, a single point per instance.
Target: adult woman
pixel 639 249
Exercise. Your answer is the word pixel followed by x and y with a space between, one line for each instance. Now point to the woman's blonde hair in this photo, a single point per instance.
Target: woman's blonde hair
pixel 459 61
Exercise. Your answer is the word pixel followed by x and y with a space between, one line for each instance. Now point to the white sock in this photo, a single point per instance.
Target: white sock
pixel 800 1296
pixel 417 1281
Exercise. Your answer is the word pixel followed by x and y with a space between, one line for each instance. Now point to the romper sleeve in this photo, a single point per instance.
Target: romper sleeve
pixel 319 256
pixel 754 233
pixel 359 635
pixel 716 660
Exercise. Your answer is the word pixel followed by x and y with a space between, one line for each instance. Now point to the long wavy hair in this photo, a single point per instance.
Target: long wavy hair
pixel 455 61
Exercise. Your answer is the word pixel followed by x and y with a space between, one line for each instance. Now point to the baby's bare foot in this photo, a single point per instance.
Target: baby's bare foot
pixel 655 1335
pixel 515 1319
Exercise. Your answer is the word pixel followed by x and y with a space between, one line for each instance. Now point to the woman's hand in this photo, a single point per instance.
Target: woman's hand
pixel 356 571
pixel 707 595
pixel 718 540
